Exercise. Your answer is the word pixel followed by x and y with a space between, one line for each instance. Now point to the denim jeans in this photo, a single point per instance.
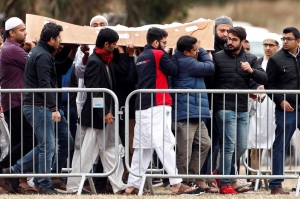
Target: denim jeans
pixel 234 142
pixel 65 144
pixel 277 159
pixel 42 154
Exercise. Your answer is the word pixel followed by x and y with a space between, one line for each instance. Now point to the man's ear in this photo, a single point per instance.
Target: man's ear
pixel 155 43
pixel 106 45
pixel 11 32
pixel 186 52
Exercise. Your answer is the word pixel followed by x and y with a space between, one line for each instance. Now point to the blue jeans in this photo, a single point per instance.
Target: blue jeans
pixel 277 156
pixel 43 153
pixel 234 140
pixel 65 144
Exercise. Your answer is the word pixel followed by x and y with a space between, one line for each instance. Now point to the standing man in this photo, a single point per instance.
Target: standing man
pixel 283 71
pixel 262 122
pixel 42 112
pixel 193 142
pixel 153 114
pixel 98 123
pixel 233 69
pixel 12 64
pixel 222 25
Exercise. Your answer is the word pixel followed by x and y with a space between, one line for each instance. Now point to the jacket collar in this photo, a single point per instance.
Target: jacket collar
pixel 228 52
pixel 46 46
pixel 148 47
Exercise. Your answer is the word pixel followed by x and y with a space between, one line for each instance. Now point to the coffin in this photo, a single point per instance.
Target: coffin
pixel 202 29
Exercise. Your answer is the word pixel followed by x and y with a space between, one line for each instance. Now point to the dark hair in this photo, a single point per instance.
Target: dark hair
pixel 106 35
pixel 5 34
pixel 293 30
pixel 155 34
pixel 50 30
pixel 185 43
pixel 246 41
pixel 238 31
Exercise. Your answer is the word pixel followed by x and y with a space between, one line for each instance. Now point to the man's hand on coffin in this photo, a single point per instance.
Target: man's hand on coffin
pixel 120 49
pixel 85 49
pixel 130 49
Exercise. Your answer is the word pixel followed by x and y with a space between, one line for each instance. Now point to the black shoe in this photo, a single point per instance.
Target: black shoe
pixel 294 189
pixel 48 191
pixel 13 182
pixel 252 186
pixel 198 189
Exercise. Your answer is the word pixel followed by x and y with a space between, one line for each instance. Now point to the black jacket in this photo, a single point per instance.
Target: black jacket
pixel 230 75
pixel 96 76
pixel 283 70
pixel 153 68
pixel 40 72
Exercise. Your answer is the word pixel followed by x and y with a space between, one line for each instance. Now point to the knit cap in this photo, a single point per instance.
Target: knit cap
pixel 223 20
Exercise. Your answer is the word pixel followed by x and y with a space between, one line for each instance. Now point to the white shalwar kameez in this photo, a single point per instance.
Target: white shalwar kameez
pixel 262 123
pixel 152 131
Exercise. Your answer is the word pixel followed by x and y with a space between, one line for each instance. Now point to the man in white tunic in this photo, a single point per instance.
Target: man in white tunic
pixel 153 115
pixel 262 122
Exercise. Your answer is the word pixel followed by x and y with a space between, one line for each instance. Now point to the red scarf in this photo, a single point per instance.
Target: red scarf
pixel 105 56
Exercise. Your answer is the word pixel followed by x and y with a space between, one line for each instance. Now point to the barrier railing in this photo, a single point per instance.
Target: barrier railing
pixel 118 153
pixel 200 92
pixel 151 173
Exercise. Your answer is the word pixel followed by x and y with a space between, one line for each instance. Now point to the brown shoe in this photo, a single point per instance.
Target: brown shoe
pixel 57 184
pixel 279 190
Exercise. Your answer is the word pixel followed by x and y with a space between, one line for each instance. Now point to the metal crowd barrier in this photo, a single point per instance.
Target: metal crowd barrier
pixel 66 172
pixel 153 173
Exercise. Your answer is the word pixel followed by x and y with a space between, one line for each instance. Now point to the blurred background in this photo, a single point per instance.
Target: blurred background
pixel 269 15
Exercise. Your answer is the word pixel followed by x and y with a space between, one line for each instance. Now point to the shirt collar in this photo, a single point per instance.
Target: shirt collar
pixel 13 42
pixel 298 51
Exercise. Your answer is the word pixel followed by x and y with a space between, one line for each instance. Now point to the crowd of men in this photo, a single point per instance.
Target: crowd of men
pixel 186 132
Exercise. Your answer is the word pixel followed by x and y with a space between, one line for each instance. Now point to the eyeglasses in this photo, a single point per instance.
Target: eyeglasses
pixel 232 39
pixel 164 42
pixel 270 45
pixel 288 39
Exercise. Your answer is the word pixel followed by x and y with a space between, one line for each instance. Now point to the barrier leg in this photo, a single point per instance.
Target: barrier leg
pixel 149 185
pixel 266 184
pixel 141 190
pixel 81 185
pixel 298 187
pixel 256 184
pixel 92 185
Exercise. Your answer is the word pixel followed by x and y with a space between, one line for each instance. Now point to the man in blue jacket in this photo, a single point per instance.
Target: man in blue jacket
pixel 193 64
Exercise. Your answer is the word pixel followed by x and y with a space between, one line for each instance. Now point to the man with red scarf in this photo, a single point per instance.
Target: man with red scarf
pixel 99 132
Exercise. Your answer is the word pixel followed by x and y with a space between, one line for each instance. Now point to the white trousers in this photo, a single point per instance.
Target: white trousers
pixel 92 146
pixel 139 166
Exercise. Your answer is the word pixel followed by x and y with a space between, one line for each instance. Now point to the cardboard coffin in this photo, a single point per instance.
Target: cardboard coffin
pixel 201 29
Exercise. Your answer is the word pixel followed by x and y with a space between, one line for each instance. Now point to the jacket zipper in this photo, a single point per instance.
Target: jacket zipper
pixel 236 73
pixel 297 69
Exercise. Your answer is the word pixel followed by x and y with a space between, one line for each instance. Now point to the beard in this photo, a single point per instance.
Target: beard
pixel 234 49
pixel 220 41
pixel 160 48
